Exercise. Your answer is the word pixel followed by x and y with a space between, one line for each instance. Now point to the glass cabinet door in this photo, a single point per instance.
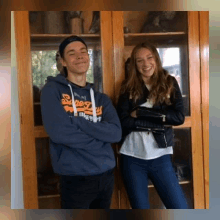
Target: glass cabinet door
pixel 47 31
pixel 172 34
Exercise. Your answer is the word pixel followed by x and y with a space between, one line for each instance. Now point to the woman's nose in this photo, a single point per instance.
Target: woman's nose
pixel 146 62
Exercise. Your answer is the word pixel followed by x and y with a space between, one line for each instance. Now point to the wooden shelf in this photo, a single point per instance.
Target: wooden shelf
pixel 155 34
pixel 63 35
pixel 48 196
pixel 149 186
pixel 180 182
pixel 162 38
pixel 51 41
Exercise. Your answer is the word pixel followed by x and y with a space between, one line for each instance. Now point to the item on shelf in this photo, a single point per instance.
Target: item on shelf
pixel 95 26
pixel 36 19
pixel 54 22
pixel 160 21
pixel 134 20
pixel 97 67
pixel 87 20
pixel 126 30
pixel 182 170
pixel 59 64
pixel 75 22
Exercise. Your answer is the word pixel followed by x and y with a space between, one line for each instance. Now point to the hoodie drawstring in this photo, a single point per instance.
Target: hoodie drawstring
pixel 73 101
pixel 93 103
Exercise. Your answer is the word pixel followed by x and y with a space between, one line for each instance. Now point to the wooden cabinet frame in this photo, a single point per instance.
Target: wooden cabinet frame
pixel 112 39
pixel 198 122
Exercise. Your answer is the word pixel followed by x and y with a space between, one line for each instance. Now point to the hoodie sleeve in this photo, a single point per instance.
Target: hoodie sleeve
pixel 109 129
pixel 58 124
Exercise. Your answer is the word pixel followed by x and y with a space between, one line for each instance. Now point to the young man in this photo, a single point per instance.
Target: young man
pixel 81 124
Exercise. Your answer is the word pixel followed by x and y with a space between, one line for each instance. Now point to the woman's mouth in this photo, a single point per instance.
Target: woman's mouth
pixel 147 68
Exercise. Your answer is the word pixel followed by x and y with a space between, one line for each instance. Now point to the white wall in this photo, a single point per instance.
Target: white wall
pixel 17 201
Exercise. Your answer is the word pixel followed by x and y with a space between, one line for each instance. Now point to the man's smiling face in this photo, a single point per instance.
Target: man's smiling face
pixel 76 58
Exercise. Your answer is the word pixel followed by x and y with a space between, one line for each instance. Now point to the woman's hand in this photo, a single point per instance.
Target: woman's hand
pixel 133 114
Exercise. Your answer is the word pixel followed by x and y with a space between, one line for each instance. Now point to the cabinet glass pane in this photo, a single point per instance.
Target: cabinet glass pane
pixel 168 32
pixel 182 163
pixel 48 29
pixel 48 181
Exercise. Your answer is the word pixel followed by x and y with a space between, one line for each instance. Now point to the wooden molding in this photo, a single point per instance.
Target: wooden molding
pixel 107 54
pixel 118 48
pixel 195 105
pixel 118 42
pixel 204 62
pixel 29 170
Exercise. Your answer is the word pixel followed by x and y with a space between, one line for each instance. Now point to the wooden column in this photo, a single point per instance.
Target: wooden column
pixel 204 62
pixel 119 74
pixel 107 53
pixel 195 109
pixel 22 37
pixel 109 81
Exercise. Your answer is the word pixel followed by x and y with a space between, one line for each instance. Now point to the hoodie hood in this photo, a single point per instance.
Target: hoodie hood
pixel 62 80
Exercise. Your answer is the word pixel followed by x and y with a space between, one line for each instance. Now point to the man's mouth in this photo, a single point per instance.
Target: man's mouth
pixel 80 63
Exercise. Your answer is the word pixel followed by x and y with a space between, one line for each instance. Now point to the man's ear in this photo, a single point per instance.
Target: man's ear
pixel 63 62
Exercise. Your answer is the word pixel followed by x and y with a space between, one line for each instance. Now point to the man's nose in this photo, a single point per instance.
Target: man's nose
pixel 79 56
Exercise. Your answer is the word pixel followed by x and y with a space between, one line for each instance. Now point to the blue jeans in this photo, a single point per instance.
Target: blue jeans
pixel 135 173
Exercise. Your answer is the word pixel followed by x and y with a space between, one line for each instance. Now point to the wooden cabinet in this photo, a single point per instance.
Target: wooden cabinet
pixel 181 48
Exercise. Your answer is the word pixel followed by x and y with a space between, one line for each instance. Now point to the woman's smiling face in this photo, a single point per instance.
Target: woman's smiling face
pixel 146 63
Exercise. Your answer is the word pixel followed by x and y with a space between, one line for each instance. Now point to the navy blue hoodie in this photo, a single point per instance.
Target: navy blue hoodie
pixel 81 124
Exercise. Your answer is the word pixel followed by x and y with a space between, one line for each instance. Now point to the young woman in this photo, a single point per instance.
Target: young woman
pixel 150 102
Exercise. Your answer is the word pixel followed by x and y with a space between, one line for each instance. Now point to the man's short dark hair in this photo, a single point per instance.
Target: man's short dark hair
pixel 67 41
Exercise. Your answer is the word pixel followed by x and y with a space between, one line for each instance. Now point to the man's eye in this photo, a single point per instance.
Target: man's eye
pixel 139 61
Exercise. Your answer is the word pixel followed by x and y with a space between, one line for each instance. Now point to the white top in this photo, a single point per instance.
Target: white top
pixel 142 144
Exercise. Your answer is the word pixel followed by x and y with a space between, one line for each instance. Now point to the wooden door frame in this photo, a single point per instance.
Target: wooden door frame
pixel 204 63
pixel 195 109
pixel 25 92
pixel 108 81
pixel 28 131
pixel 195 120
pixel 112 54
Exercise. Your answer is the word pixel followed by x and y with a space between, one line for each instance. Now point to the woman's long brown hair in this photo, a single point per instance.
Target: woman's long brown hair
pixel 161 82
